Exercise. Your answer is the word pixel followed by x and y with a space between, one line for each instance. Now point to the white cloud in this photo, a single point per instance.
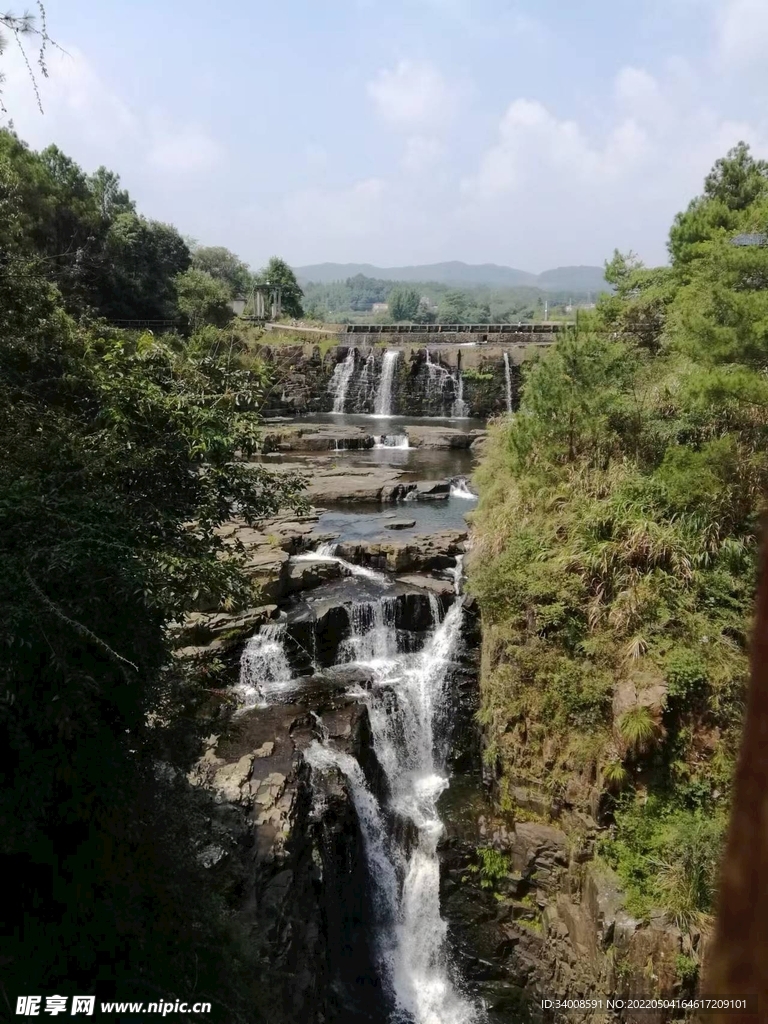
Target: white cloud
pixel 413 96
pixel 186 150
pixel 742 32
pixel 623 184
pixel 421 153
pixel 93 124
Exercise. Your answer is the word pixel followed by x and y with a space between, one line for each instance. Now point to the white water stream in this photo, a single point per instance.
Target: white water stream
pixel 383 404
pixel 460 489
pixel 265 674
pixel 392 441
pixel 508 382
pixel 339 382
pixel 327 553
pixel 408 709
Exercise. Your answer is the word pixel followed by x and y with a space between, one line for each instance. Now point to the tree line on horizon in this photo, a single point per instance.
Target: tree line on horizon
pixel 353 300
pixel 110 262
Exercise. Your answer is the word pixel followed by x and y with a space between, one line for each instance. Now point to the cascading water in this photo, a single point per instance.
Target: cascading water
pixel 437 380
pixel 508 382
pixel 408 709
pixel 460 489
pixel 366 386
pixel 327 553
pixel 392 441
pixel 383 404
pixel 372 635
pixel 339 382
pixel 265 673
pixel 459 408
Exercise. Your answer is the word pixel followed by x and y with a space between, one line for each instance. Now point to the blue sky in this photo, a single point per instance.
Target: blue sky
pixel 533 134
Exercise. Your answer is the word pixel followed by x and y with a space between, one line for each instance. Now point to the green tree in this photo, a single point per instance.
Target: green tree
pixel 452 307
pixel 403 304
pixel 223 265
pixel 731 189
pixel 203 299
pixel 110 198
pixel 277 272
pixel 737 179
pixel 616 546
pixel 121 450
pixel 142 260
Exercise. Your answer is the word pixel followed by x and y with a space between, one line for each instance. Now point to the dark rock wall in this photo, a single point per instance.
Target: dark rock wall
pixel 301 375
pixel 294 854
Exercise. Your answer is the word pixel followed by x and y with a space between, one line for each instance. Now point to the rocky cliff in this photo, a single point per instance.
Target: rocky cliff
pixel 427 380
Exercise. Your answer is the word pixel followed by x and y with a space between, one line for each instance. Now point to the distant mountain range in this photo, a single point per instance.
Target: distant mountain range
pixel 576 279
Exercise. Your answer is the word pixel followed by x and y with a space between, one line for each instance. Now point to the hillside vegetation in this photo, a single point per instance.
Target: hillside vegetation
pixel 616 547
pixel 352 301
pixel 119 460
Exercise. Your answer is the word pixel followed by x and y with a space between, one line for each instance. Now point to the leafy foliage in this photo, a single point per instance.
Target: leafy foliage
pixel 120 459
pixel 666 856
pixel 491 867
pixel 403 304
pixel 638 728
pixel 617 533
pixel 202 299
pixel 279 273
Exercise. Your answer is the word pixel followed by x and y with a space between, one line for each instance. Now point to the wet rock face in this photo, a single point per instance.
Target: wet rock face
pixel 294 852
pixel 417 554
pixel 545 920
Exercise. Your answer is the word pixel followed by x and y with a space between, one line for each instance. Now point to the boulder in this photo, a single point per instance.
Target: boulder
pixel 307 574
pixel 431 583
pixel 433 490
pixel 416 554
pixel 440 437
pixel 401 524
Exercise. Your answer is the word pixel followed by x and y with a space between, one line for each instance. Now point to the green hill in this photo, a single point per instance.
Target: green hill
pixel 577 279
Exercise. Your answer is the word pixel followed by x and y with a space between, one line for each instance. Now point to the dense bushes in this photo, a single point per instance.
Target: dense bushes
pixel 616 556
pixel 118 463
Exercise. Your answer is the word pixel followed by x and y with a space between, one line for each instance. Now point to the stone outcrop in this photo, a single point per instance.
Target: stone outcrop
pixel 293 436
pixel 301 374
pixel 292 849
pixel 417 554
pixel 442 437
pixel 551 923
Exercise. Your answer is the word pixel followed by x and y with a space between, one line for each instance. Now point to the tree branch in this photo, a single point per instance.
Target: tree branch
pixel 78 628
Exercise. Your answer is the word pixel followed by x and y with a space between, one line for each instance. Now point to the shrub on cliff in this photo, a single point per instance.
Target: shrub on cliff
pixel 616 539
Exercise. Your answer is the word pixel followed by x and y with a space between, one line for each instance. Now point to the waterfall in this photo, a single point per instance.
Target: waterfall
pixel 264 670
pixel 408 711
pixel 437 379
pixel 460 489
pixel 392 441
pixel 339 382
pixel 459 408
pixel 458 574
pixel 508 381
pixel 367 383
pixel 377 848
pixel 383 405
pixel 372 635
pixel 327 553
